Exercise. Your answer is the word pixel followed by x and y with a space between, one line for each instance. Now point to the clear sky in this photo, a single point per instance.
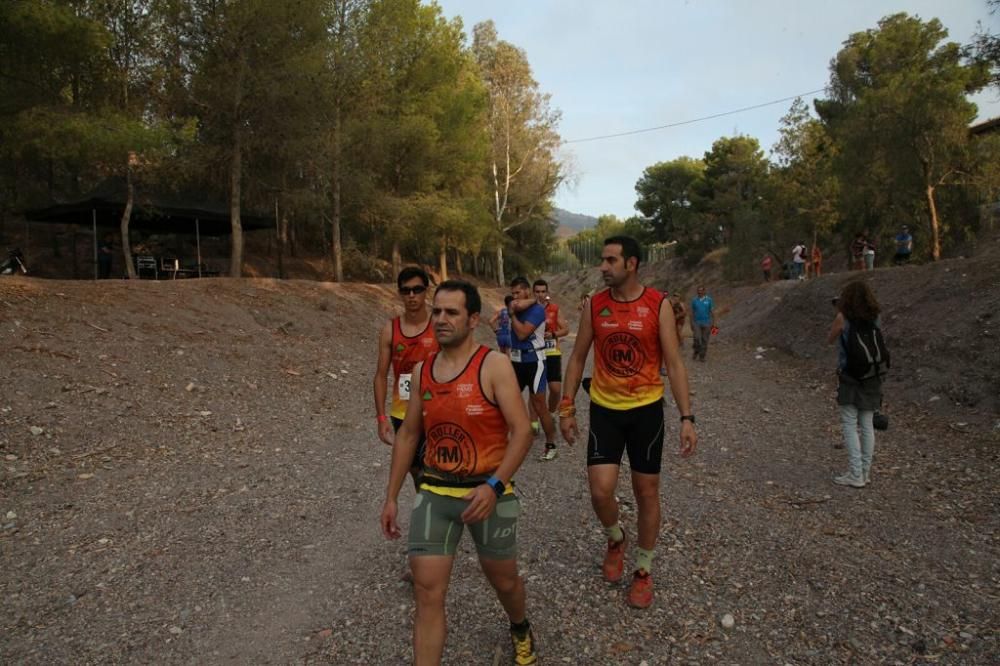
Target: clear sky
pixel 631 64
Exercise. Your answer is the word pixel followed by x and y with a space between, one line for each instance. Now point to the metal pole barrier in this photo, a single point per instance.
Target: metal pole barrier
pixel 197 240
pixel 93 218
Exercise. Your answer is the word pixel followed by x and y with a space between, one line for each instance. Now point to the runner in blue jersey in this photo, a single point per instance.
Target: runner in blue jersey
pixel 527 353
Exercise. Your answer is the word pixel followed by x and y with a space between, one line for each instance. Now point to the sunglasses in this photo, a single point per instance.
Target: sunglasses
pixel 408 291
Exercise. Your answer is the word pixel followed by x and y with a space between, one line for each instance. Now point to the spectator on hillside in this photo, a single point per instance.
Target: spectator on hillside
pixel 765 265
pixel 104 256
pixel 869 254
pixel 799 261
pixel 817 260
pixel 858 251
pixel 904 246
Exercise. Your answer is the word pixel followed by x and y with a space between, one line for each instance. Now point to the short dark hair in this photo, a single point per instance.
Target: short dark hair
pixel 520 281
pixel 540 283
pixel 411 272
pixel 630 248
pixel 473 303
pixel 508 299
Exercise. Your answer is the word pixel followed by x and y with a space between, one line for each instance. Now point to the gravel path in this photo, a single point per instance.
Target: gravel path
pixel 202 490
pixel 753 527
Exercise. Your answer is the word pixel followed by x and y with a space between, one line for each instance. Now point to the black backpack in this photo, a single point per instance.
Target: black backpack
pixel 867 353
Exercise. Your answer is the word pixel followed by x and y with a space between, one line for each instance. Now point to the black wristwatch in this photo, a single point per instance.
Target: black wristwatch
pixel 688 417
pixel 497 485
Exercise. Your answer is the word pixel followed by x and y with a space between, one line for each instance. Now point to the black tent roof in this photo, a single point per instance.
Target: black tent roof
pixel 155 210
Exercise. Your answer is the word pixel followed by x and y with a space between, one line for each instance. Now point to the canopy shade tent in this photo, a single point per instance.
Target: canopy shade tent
pixel 156 211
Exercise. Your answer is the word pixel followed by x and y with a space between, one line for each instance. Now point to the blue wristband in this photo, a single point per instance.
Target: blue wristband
pixel 497 485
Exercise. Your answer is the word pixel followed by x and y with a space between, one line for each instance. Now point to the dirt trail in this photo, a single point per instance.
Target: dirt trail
pixel 811 572
pixel 201 489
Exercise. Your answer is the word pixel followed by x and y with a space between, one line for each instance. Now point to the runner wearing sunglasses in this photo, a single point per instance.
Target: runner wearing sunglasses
pixel 404 342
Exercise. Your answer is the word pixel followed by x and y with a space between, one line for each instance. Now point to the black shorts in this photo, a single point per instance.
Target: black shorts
pixel 553 369
pixel 418 457
pixel 530 375
pixel 638 431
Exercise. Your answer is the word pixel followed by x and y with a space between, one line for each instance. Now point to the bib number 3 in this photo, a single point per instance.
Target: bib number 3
pixel 403 386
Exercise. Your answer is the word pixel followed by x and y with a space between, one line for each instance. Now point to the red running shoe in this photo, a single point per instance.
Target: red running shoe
pixel 640 594
pixel 614 561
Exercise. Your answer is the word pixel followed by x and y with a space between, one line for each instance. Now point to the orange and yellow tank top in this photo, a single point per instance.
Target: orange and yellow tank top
pixel 551 324
pixel 406 353
pixel 466 433
pixel 626 350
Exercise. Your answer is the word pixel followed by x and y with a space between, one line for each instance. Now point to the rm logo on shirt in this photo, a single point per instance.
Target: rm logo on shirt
pixel 623 355
pixel 451 449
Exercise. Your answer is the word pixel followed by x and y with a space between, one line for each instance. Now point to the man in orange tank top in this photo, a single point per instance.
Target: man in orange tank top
pixel 466 402
pixel 555 328
pixel 403 342
pixel 632 328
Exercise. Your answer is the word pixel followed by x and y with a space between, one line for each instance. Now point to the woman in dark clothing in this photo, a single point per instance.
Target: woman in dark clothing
pixel 858 400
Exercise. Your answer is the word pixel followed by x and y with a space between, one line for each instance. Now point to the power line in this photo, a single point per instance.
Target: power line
pixel 696 120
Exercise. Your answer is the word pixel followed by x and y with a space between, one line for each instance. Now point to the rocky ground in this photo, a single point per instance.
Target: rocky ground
pixel 190 473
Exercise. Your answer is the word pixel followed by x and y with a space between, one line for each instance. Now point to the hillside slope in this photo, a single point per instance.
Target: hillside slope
pixel 942 323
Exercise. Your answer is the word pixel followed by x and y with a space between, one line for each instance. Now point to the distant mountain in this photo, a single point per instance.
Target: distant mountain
pixel 571 224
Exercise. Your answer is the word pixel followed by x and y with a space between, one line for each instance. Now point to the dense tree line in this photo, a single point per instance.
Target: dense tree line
pixel 888 145
pixel 375 127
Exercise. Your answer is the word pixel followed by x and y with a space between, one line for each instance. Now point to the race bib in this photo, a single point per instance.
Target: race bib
pixel 404 386
pixel 515 355
pixel 550 343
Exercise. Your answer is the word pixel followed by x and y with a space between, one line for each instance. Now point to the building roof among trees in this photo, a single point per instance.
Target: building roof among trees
pixel 986 127
pixel 155 210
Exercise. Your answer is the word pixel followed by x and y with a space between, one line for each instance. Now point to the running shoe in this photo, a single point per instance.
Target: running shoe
pixel 550 452
pixel 614 561
pixel 848 479
pixel 524 648
pixel 640 593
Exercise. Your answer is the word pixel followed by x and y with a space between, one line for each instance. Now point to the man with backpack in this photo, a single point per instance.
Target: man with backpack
pixel 799 261
pixel 862 361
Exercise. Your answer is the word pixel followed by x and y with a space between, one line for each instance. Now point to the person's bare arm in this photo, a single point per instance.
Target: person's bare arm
pixel 835 329
pixel 574 373
pixel 403 450
pixel 501 382
pixel 677 375
pixel 562 328
pixel 494 319
pixel 381 384
pixel 521 329
pixel 521 304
